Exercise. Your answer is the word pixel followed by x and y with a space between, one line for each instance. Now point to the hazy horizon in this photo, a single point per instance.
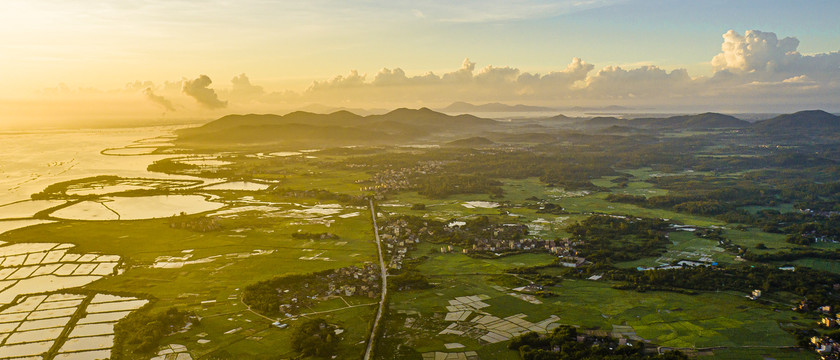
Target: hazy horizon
pixel 419 180
pixel 107 61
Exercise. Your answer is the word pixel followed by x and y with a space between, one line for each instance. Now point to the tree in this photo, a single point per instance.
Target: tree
pixel 315 337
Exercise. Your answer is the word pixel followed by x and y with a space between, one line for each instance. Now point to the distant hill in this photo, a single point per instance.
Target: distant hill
pixel 430 119
pixel 528 137
pixel 703 121
pixel 561 117
pixel 464 107
pixel 707 121
pixel 810 120
pixel 476 141
pixel 325 109
pixel 618 129
pixel 604 121
pixel 339 118
pixel 601 108
pixel 340 128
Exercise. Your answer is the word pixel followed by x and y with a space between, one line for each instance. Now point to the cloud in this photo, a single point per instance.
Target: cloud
pixel 157 99
pixel 199 90
pixel 756 64
pixel 243 89
pixel 465 73
pixel 351 80
pixel 490 83
pixel 754 71
pixel 418 14
pixel 644 81
pixel 560 83
pixel 755 51
pixel 134 87
pixel 761 55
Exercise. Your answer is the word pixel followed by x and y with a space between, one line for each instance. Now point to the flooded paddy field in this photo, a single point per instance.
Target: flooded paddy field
pixel 30 268
pixel 103 224
pixel 134 208
pixel 186 269
pixel 27 208
pixel 37 159
pixel 237 186
pixel 71 326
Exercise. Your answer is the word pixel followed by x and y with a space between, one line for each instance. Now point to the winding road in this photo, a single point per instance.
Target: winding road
pixel 384 276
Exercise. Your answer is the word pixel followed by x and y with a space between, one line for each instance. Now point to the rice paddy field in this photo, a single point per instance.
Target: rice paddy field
pixel 727 320
pixel 204 272
pixel 737 327
pixel 73 264
pixel 62 259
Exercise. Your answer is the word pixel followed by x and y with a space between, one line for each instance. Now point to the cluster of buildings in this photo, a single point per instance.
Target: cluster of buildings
pixel 505 238
pixel 347 281
pixel 398 179
pixel 826 347
pixel 505 245
pixel 390 179
pixel 828 319
pixel 398 239
pixel 354 281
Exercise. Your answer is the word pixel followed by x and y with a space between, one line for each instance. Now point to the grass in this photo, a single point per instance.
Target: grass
pixel 685 246
pixel 458 263
pixel 752 353
pixel 445 209
pixel 670 319
pixel 258 337
pixel 832 266
pixel 141 242
pixel 597 203
pixel 297 173
pixel 752 237
pixel 667 319
pixel 782 208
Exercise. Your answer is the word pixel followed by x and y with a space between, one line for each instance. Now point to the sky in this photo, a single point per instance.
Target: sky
pixel 171 59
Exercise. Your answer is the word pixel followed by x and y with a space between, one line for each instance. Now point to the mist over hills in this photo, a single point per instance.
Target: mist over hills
pixel 340 128
pixel 343 128
pixel 496 107
pixel 465 107
pixel 703 121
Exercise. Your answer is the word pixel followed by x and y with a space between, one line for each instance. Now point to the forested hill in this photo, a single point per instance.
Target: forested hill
pixel 703 121
pixel 302 129
pixel 340 128
pixel 804 120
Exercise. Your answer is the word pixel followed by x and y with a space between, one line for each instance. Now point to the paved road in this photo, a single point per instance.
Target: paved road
pixel 384 276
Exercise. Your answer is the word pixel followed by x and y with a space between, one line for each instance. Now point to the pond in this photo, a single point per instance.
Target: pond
pixel 137 208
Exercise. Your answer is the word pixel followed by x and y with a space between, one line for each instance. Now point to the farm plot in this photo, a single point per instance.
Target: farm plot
pixel 70 326
pixel 135 208
pixel 31 268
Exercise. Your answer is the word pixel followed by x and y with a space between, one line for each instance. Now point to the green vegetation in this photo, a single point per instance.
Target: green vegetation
pixel 547 226
pixel 315 337
pixel 140 334
pixel 564 344
pixel 610 239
